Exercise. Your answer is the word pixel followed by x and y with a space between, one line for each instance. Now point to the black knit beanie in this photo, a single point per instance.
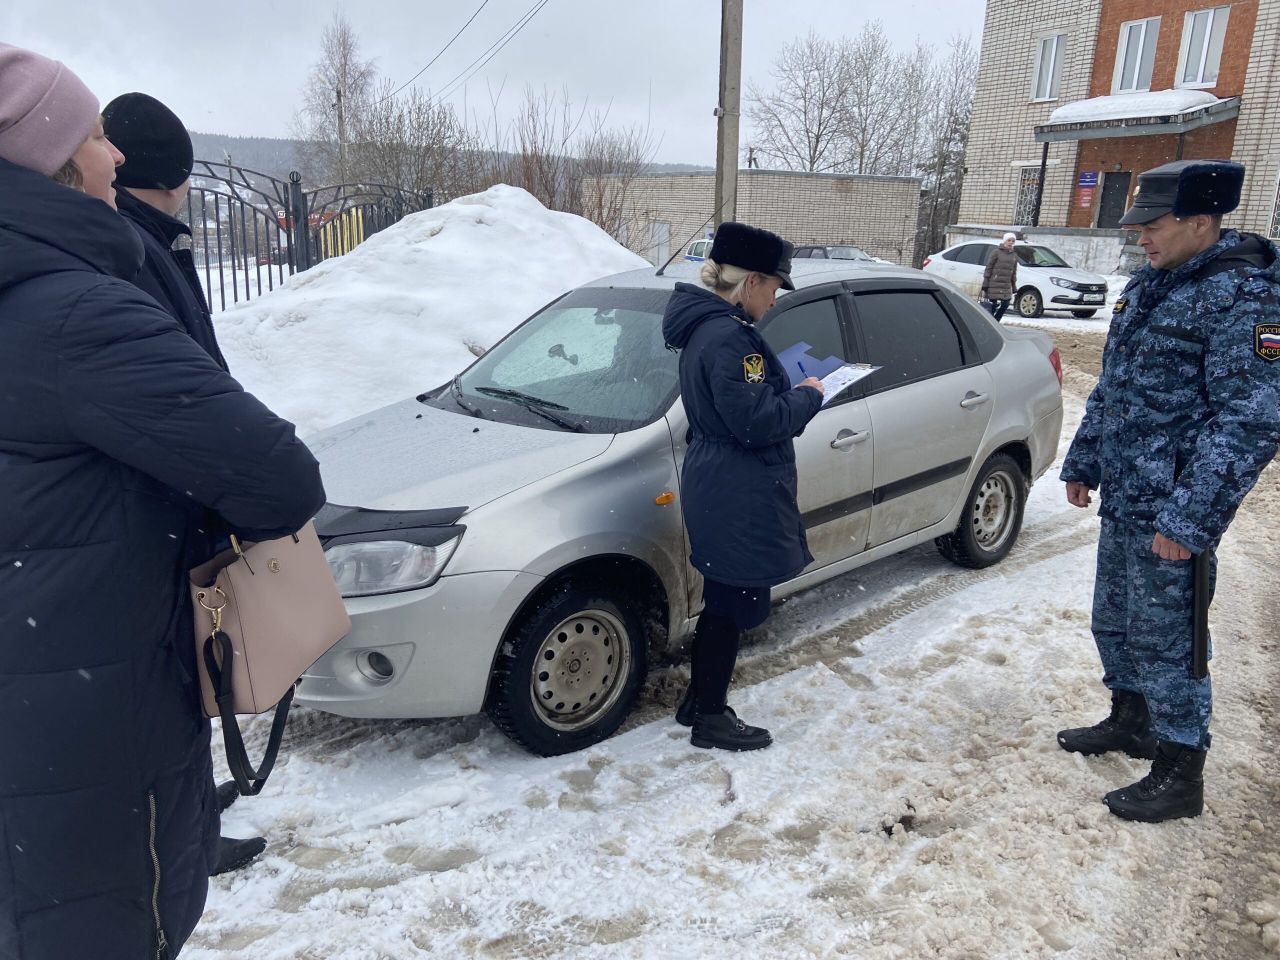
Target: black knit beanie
pixel 155 144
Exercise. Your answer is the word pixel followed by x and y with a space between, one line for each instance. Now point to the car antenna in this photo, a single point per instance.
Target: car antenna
pixel 691 236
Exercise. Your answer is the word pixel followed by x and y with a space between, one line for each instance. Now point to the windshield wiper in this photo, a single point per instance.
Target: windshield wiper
pixel 533 404
pixel 456 390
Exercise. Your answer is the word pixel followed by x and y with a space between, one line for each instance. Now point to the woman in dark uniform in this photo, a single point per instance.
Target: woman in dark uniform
pixel 738 484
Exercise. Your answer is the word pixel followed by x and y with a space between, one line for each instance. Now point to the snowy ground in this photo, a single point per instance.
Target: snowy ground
pixel 914 804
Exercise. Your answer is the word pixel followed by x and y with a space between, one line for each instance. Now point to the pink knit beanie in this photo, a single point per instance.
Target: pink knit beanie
pixel 46 112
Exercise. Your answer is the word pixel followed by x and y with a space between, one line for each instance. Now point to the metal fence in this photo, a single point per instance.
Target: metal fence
pixel 250 231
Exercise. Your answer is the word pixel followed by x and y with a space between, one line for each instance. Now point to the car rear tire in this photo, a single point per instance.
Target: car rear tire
pixel 992 516
pixel 569 669
pixel 1084 314
pixel 1028 302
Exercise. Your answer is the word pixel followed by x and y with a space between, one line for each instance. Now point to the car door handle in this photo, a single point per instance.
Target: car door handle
pixel 846 439
pixel 972 399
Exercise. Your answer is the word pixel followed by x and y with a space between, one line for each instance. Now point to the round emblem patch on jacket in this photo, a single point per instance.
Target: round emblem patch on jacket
pixel 1266 340
pixel 753 368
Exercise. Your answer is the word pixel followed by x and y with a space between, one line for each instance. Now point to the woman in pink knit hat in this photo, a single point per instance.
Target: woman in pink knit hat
pixel 117 433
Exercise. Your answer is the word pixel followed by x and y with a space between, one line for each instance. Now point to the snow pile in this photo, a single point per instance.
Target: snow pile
pixel 401 313
pixel 1126 106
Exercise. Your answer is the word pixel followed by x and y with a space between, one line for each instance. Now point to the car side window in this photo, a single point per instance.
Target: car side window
pixel 819 253
pixel 974 253
pixel 909 335
pixel 808 335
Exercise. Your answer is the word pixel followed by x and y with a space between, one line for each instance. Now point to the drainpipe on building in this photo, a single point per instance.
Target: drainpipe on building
pixel 1044 166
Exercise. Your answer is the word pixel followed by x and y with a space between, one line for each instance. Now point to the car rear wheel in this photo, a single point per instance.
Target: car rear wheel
pixel 570 669
pixel 1029 303
pixel 1084 314
pixel 992 515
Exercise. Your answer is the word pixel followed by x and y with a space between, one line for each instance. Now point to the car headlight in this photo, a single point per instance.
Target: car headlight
pixel 387 566
pixel 1069 284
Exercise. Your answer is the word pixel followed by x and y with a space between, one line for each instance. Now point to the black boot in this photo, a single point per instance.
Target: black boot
pixel 234 854
pixel 726 731
pixel 228 793
pixel 1128 728
pixel 1174 788
pixel 688 709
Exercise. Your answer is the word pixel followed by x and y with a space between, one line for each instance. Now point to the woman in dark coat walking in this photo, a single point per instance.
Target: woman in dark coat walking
pixel 117 431
pixel 738 482
pixel 1000 278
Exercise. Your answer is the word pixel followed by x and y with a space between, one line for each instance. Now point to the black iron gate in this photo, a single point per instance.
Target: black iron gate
pixel 250 230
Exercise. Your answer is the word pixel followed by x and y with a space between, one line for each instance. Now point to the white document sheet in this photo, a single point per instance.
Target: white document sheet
pixel 840 379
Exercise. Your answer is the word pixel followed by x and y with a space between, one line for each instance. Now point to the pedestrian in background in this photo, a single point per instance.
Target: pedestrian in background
pixel 116 430
pixel 151 187
pixel 1185 416
pixel 1000 279
pixel 738 481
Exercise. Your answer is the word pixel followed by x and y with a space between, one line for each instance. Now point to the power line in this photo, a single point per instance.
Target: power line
pixel 510 35
pixel 483 4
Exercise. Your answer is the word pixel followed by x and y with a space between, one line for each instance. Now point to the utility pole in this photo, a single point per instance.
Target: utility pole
pixel 342 139
pixel 726 200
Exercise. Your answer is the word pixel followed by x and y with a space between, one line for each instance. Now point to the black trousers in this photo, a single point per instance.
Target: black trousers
pixel 727 611
pixel 998 307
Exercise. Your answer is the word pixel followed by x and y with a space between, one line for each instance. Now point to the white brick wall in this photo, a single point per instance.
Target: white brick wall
pixel 875 213
pixel 1257 143
pixel 1002 131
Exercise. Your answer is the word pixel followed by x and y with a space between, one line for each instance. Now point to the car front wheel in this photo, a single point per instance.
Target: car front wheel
pixel 569 670
pixel 1029 303
pixel 992 516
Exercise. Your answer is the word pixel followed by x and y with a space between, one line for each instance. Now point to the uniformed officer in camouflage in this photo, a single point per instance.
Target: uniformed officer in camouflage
pixel 1185 416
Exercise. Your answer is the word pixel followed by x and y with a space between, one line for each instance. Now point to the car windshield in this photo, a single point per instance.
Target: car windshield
pixel 1039 256
pixel 848 253
pixel 594 361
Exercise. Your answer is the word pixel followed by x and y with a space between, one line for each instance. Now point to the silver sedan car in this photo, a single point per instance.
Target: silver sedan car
pixel 512 541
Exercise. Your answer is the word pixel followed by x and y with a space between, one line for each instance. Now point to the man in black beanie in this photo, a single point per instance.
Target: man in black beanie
pixel 150 189
pixel 151 186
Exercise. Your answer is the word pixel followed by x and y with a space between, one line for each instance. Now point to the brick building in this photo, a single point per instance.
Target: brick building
pixel 1083 95
pixel 660 213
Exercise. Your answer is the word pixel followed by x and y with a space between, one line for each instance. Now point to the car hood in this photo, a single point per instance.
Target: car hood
pixel 1066 273
pixel 410 456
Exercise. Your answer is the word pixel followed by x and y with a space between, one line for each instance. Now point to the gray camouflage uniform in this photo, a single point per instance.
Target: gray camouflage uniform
pixel 1184 417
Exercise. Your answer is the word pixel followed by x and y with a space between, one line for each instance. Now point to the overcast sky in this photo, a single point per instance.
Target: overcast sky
pixel 236 66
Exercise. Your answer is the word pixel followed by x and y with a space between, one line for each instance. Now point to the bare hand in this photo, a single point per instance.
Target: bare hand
pixel 1078 494
pixel 813 383
pixel 1168 550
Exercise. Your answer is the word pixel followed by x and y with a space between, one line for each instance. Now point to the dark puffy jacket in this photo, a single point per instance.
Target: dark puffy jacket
pixel 167 274
pixel 1000 279
pixel 115 429
pixel 738 482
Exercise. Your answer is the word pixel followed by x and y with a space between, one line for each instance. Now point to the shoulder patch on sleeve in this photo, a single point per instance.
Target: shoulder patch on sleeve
pixel 1266 340
pixel 753 368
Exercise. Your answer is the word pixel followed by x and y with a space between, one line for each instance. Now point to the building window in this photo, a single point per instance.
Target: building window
pixel 1049 56
pixel 1202 34
pixel 1136 55
pixel 1028 182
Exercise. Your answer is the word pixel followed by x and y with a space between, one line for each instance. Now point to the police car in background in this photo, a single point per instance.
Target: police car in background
pixel 1045 280
pixel 512 540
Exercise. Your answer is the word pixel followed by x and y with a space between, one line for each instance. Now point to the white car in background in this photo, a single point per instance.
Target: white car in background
pixel 1045 280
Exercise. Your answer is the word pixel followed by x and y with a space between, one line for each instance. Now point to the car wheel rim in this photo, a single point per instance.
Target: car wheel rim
pixel 1027 305
pixel 994 508
pixel 580 670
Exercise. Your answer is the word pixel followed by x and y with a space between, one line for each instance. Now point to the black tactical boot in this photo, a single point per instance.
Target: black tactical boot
pixel 688 709
pixel 1128 728
pixel 1174 788
pixel 726 731
pixel 234 854
pixel 228 793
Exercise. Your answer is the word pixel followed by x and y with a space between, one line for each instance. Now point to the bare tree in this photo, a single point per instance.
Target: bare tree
pixel 610 160
pixel 871 120
pixel 799 121
pixel 337 90
pixel 943 168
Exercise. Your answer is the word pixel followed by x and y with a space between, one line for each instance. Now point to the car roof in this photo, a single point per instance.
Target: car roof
pixel 804 273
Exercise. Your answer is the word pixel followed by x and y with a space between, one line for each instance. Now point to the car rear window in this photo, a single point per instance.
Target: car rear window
pixel 909 335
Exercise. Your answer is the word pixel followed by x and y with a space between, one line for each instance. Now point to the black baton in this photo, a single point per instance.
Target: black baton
pixel 1200 636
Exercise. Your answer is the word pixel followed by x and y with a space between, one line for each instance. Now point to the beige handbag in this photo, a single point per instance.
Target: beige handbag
pixel 264 613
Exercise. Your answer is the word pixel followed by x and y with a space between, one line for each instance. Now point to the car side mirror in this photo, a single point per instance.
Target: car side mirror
pixel 557 350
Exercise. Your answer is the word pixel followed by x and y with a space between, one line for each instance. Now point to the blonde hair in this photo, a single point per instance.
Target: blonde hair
pixel 68 175
pixel 724 278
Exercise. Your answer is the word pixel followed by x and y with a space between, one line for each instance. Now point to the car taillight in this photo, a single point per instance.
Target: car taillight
pixel 927 261
pixel 1055 361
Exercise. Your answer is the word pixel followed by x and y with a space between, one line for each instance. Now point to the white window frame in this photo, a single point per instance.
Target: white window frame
pixel 1059 39
pixel 1185 52
pixel 1150 30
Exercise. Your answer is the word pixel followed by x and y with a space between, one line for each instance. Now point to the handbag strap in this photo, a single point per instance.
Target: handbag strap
pixel 249 780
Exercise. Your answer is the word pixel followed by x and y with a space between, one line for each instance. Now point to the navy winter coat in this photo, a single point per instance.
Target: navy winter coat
pixel 738 483
pixel 116 430
pixel 169 274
